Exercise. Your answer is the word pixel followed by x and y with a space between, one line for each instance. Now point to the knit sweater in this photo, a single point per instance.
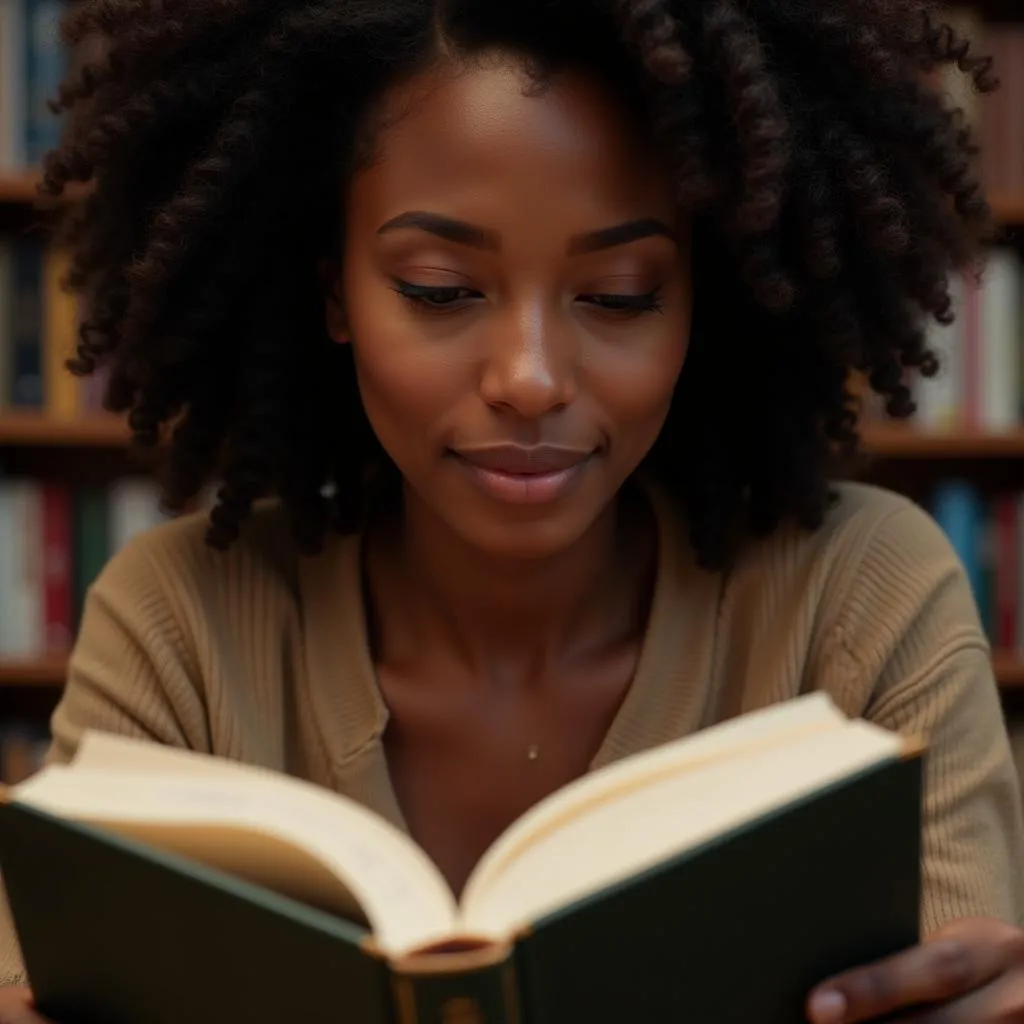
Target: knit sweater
pixel 261 655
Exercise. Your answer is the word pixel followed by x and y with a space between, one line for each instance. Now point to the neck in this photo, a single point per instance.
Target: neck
pixel 507 617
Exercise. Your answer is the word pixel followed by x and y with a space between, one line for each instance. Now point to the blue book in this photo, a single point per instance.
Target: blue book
pixel 26 365
pixel 46 65
pixel 959 509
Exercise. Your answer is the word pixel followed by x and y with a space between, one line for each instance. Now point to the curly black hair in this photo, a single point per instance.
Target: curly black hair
pixel 832 188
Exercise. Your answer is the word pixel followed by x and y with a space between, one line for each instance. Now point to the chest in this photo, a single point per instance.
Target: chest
pixel 466 766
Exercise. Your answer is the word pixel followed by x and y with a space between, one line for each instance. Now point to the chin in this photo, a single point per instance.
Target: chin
pixel 541 538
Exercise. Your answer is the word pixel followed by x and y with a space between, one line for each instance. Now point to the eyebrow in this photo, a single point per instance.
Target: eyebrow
pixel 463 233
pixel 450 230
pixel 620 234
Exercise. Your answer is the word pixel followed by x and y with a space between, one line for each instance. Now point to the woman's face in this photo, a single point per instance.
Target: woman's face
pixel 516 289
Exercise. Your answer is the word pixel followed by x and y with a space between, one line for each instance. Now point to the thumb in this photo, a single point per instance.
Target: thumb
pixel 16 1007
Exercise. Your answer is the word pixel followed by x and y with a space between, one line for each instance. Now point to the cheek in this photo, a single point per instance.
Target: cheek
pixel 403 389
pixel 408 387
pixel 634 382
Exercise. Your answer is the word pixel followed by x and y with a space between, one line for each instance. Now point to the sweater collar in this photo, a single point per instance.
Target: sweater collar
pixel 668 697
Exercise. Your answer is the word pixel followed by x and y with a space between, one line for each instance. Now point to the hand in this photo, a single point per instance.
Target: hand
pixel 971 972
pixel 16 1007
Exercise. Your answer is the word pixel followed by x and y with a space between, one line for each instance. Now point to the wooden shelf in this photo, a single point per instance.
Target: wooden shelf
pixel 19 188
pixel 895 441
pixel 35 430
pixel 45 672
pixel 1009 669
pixel 1009 209
pixel 23 190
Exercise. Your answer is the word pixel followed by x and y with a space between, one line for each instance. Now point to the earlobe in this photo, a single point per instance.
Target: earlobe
pixel 337 321
pixel 334 311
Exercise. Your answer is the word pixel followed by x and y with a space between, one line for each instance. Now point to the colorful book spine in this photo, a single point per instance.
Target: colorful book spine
pixel 26 366
pixel 54 543
pixel 46 65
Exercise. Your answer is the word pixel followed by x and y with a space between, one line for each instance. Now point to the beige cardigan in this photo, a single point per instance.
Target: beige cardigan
pixel 261 655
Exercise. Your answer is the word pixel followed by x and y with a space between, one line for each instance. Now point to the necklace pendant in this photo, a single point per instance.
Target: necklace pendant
pixel 533 752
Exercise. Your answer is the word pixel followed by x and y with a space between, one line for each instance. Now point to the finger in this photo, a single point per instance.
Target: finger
pixel 955 961
pixel 21 1015
pixel 1002 1000
pixel 16 1007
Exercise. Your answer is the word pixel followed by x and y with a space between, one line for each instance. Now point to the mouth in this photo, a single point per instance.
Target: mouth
pixel 524 476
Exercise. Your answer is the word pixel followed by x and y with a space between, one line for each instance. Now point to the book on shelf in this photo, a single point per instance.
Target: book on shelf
pixel 1001 125
pixel 784 843
pixel 987 533
pixel 997 118
pixel 33 62
pixel 980 384
pixel 38 333
pixel 54 541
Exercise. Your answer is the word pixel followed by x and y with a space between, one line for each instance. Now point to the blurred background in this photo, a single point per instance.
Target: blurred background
pixel 71 491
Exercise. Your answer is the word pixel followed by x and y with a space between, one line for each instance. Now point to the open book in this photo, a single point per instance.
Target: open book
pixel 621 823
pixel 324 849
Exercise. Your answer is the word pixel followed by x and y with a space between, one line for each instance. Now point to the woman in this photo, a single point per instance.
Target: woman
pixel 519 335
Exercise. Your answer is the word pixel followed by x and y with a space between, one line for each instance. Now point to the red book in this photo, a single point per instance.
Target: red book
pixel 57 568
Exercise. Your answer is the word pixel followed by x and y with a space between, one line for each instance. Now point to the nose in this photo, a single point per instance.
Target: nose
pixel 530 366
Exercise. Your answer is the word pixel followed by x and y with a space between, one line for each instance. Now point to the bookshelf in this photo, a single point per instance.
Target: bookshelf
pixel 1009 669
pixel 1009 208
pixel 42 672
pixel 36 430
pixel 19 189
pixel 906 442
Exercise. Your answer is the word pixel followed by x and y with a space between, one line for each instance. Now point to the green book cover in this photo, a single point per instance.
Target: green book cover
pixel 735 925
pixel 91 542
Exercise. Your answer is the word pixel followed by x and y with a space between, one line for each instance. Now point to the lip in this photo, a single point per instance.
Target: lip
pixel 524 476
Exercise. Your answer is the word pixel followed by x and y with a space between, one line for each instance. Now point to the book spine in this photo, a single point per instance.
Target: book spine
pixel 8 571
pixel 971 414
pixel 45 63
pixel 1019 548
pixel 1000 340
pixel 91 547
pixel 1007 583
pixel 485 994
pixel 61 391
pixel 27 369
pixel 13 94
pixel 56 568
pixel 6 301
pixel 28 570
pixel 941 401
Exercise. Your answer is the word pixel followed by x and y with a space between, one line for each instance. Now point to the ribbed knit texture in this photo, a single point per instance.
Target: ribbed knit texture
pixel 261 656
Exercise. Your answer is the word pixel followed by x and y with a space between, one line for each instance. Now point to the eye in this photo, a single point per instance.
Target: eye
pixel 435 296
pixel 626 305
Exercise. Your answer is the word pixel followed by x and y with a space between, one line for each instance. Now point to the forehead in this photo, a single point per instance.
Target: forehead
pixel 489 132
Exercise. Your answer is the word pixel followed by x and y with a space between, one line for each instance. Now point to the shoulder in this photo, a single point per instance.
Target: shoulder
pixel 880 574
pixel 868 529
pixel 875 597
pixel 173 561
pixel 877 555
pixel 182 643
pixel 890 570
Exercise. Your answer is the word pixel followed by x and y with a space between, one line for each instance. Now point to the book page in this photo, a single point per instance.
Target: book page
pixel 640 828
pixel 341 850
pixel 126 754
pixel 773 725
